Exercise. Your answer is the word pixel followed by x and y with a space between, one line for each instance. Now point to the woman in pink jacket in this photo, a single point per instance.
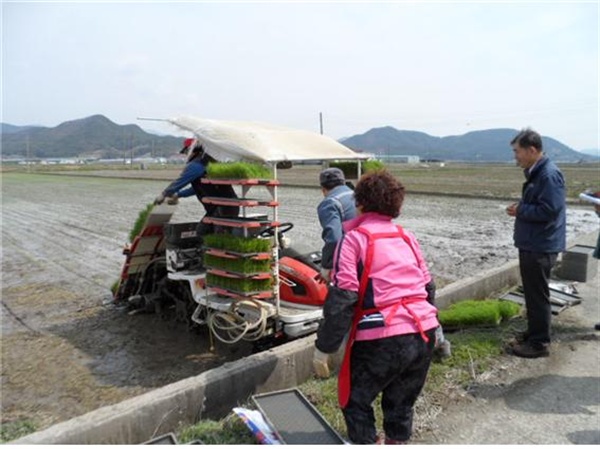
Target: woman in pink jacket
pixel 382 297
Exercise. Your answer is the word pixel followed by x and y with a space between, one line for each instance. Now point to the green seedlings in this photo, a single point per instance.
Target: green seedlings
pixel 237 244
pixel 140 222
pixel 237 285
pixel 237 170
pixel 477 313
pixel 241 265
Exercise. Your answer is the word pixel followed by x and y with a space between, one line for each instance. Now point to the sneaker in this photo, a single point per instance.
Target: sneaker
pixel 530 351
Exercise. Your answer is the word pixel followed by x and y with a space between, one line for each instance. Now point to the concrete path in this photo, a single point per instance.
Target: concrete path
pixel 554 400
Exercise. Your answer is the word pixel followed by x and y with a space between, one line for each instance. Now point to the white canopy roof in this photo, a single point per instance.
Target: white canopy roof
pixel 233 141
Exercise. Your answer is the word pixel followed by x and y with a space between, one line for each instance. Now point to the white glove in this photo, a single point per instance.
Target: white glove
pixel 321 364
pixel 174 199
pixel 159 199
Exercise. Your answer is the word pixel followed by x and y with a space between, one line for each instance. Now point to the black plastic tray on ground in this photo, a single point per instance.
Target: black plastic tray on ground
pixel 294 419
pixel 559 300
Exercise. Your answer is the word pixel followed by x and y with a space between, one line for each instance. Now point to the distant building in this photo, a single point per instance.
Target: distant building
pixel 399 158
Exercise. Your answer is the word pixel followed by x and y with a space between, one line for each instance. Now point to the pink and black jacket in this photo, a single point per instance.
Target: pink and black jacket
pixel 398 295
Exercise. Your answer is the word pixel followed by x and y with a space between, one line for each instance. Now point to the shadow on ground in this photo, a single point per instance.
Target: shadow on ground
pixel 142 350
pixel 547 394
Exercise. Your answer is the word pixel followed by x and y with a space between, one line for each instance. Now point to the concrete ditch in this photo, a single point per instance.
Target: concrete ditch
pixel 214 393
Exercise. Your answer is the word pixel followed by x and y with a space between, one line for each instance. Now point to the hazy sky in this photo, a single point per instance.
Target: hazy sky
pixel 444 68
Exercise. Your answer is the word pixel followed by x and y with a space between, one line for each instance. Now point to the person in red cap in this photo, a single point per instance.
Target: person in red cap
pixel 189 183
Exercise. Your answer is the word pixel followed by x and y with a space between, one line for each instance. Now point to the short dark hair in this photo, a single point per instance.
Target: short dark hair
pixel 528 138
pixel 379 191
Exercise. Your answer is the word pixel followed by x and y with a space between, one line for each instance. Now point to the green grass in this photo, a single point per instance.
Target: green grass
pixel 230 430
pixel 16 429
pixel 237 244
pixel 350 169
pixel 237 170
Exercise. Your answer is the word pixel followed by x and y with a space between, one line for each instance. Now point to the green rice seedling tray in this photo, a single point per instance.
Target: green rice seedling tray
pixel 240 222
pixel 242 295
pixel 243 202
pixel 236 255
pixel 480 313
pixel 233 274
pixel 238 170
pixel 237 244
pixel 245 265
pixel 242 182
pixel 239 284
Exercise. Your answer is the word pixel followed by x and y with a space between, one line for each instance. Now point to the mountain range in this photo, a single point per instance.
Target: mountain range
pixel 492 145
pixel 90 137
pixel 99 137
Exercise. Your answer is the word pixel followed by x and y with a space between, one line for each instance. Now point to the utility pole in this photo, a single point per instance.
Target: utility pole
pixel 131 149
pixel 324 164
pixel 27 156
pixel 321 122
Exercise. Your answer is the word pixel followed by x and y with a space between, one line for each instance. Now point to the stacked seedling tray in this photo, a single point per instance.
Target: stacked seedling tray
pixel 241 266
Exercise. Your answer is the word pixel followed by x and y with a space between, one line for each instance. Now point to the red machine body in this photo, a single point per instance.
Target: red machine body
pixel 300 284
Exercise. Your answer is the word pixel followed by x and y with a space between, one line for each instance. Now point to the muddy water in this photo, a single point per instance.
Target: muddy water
pixel 65 353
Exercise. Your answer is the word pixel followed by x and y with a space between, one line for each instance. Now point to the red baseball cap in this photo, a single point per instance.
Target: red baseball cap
pixel 187 143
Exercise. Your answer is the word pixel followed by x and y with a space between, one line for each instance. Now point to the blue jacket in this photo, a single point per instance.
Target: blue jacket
pixel 194 170
pixel 192 175
pixel 540 224
pixel 337 207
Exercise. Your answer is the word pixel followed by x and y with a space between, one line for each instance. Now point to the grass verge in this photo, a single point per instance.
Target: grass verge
pixel 474 351
pixel 16 429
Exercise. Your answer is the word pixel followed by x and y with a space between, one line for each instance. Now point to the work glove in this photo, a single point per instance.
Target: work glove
pixel 174 199
pixel 321 364
pixel 159 199
pixel 442 346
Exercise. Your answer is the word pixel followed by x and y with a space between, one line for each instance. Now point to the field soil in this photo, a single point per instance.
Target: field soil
pixel 66 350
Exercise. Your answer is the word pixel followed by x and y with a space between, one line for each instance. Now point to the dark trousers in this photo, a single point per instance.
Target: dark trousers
pixel 535 273
pixel 395 366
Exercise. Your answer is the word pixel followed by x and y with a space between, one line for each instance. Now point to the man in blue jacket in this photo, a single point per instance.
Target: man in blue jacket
pixel 189 183
pixel 539 234
pixel 337 207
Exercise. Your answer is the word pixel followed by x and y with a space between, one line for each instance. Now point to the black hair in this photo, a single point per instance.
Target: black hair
pixel 528 138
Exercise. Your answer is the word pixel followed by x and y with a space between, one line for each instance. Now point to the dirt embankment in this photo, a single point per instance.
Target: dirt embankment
pixel 65 353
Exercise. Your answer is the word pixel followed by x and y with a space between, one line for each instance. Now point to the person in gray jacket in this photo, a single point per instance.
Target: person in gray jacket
pixel 337 207
pixel 539 234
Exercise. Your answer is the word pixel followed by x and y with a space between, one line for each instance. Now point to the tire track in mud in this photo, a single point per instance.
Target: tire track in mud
pixel 18 319
pixel 45 238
